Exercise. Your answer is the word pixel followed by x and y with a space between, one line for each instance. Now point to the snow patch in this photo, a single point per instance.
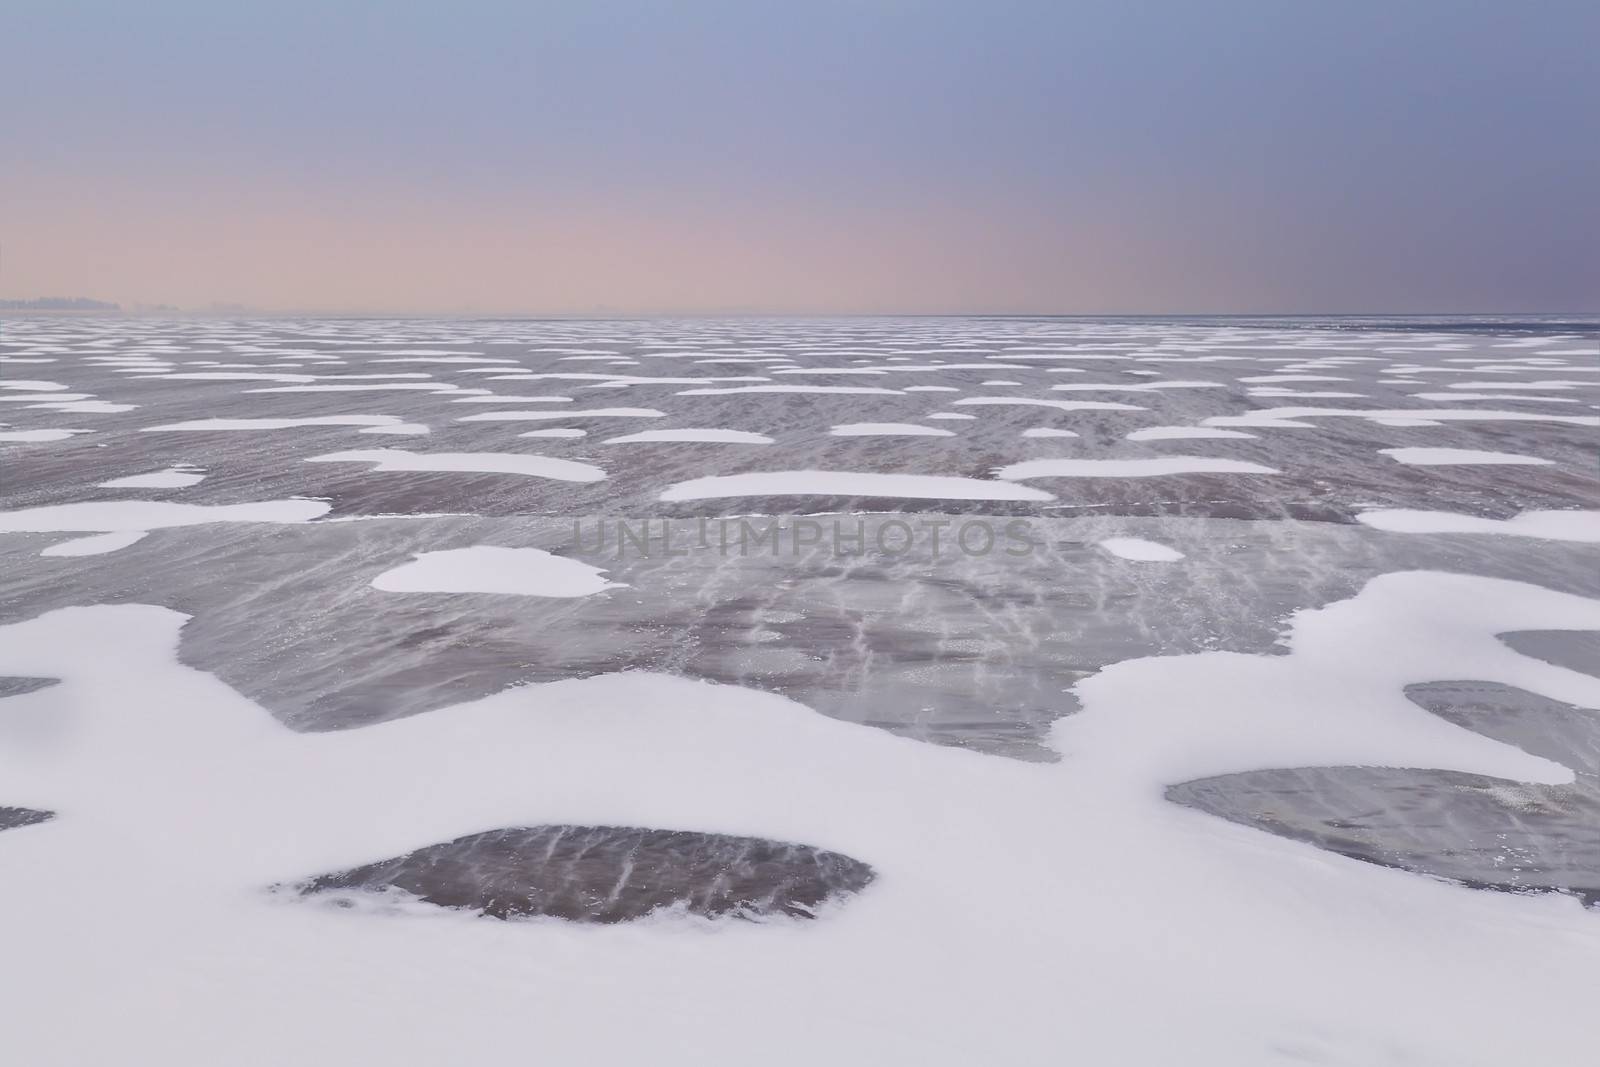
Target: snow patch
pixel 491 569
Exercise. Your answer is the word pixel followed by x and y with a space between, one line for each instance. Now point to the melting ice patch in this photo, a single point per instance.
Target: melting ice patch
pixel 491 569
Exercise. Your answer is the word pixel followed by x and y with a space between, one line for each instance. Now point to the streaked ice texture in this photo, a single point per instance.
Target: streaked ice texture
pixel 610 874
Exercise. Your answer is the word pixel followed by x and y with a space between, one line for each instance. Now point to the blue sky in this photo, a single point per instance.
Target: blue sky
pixel 820 157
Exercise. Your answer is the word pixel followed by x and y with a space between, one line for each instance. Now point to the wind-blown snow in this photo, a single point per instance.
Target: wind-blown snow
pixel 1140 550
pixel 1551 525
pixel 491 569
pixel 95 544
pixel 848 483
pixel 1128 468
pixel 127 515
pixel 395 459
pixel 888 429
pixel 1033 402
pixel 857 390
pixel 704 436
pixel 1183 433
pixel 1452 457
pixel 197 425
pixel 1278 416
pixel 536 416
pixel 32 386
pixel 37 436
pixel 171 478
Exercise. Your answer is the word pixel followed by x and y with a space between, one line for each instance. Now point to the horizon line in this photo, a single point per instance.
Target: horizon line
pixel 226 311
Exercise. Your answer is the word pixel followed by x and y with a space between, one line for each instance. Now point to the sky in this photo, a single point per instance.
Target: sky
pixel 816 157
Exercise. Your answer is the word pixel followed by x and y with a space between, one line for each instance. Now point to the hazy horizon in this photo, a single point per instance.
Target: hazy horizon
pixel 628 159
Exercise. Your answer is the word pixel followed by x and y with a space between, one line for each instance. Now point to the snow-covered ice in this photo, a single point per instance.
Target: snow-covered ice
pixel 1140 550
pixel 849 483
pixel 179 477
pixel 397 459
pixel 492 569
pixel 1456 457
pixel 1132 720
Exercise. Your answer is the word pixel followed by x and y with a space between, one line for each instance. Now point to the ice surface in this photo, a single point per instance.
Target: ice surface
pixel 13 817
pixel 1358 696
pixel 1476 830
pixel 611 874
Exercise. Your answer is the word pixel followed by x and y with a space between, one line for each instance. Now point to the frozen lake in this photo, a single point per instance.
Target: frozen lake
pixel 976 662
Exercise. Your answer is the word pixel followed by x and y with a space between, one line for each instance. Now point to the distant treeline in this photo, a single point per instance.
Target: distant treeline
pixel 59 303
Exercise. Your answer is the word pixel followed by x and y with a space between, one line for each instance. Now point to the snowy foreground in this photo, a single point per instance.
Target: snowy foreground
pixel 1248 711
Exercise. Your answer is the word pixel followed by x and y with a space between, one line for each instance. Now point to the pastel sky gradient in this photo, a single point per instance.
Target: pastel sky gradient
pixel 871 156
